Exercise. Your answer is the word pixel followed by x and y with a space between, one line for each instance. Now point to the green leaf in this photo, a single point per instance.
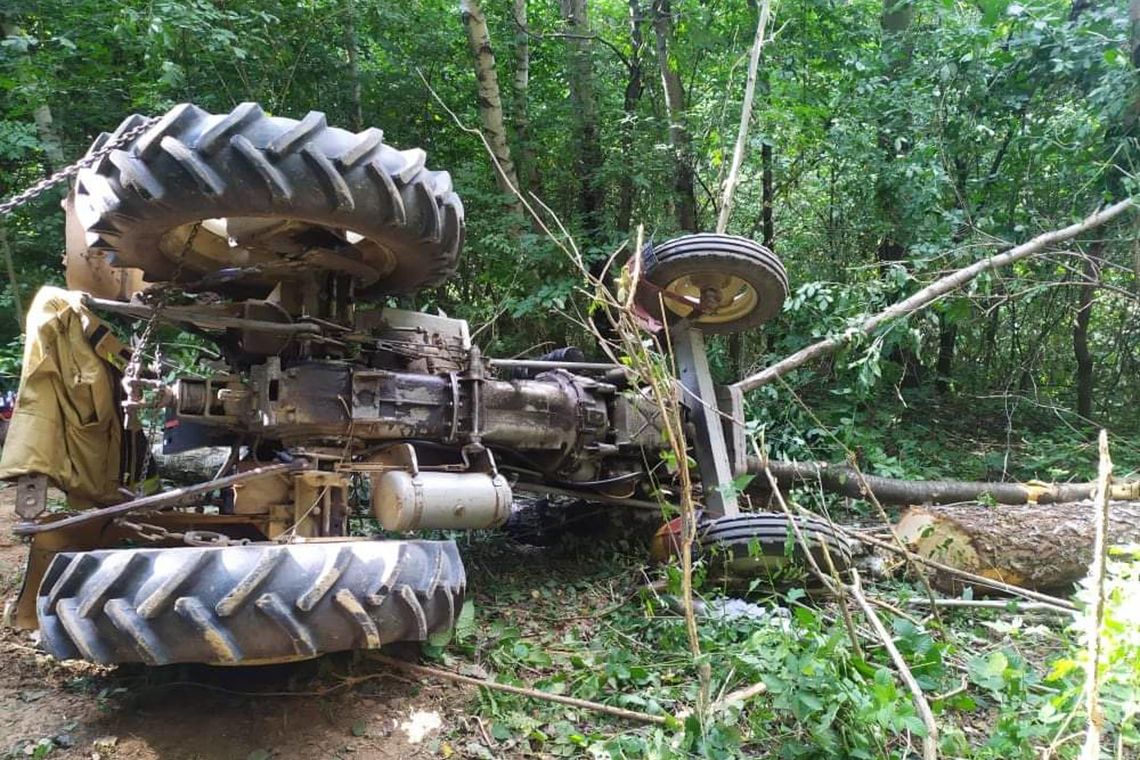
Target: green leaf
pixel 465 623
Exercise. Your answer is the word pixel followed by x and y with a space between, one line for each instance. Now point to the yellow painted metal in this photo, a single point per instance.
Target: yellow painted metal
pixel 734 296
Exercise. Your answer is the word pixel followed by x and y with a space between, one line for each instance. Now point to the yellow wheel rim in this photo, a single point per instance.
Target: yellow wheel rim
pixel 734 296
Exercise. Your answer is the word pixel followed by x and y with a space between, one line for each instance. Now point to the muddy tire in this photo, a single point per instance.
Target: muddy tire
pixel 247 604
pixel 278 199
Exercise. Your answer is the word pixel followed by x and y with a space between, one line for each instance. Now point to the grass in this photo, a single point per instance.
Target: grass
pixel 572 620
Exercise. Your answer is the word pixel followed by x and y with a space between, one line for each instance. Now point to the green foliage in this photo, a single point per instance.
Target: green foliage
pixel 1001 685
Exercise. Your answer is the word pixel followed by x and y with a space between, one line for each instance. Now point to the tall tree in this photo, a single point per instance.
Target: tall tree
pixel 490 99
pixel 684 195
pixel 351 48
pixel 634 86
pixel 588 150
pixel 528 166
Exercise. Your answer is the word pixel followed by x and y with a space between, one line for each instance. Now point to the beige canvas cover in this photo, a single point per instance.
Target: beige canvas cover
pixel 66 423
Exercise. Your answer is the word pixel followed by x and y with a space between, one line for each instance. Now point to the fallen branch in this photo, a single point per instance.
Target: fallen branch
pixel 990 604
pixel 848 481
pixel 424 670
pixel 921 706
pixel 740 695
pixel 931 293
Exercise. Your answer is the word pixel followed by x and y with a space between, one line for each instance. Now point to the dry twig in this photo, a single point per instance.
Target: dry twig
pixel 424 670
pixel 930 741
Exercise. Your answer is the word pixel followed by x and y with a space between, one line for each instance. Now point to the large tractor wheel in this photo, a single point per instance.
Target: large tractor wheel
pixel 244 200
pixel 247 604
pixel 720 283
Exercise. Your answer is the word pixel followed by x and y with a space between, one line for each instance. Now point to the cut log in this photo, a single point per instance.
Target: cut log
pixel 1047 547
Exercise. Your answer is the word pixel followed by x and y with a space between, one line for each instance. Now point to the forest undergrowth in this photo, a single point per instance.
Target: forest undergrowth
pixel 583 620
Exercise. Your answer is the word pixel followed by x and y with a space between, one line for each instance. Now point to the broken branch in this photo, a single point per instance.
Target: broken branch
pixel 847 481
pixel 745 117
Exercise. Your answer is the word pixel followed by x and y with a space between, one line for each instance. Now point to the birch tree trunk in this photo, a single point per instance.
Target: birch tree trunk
pixel 527 168
pixel 679 140
pixel 490 99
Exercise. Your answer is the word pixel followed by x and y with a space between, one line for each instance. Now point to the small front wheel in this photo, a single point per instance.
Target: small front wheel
pixel 720 283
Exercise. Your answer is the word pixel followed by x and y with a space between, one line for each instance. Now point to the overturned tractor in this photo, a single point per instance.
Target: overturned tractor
pixel 277 241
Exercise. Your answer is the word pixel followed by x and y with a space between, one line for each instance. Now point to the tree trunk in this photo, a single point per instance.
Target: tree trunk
pixel 1037 546
pixel 490 99
pixel 13 283
pixel 528 168
pixel 846 481
pixel 49 138
pixel 895 21
pixel 591 194
pixel 766 224
pixel 350 47
pixel 947 338
pixel 633 87
pixel 685 198
pixel 1084 376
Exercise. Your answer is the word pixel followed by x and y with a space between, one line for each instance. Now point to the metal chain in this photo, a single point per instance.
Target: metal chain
pixel 131 382
pixel 155 533
pixel 68 172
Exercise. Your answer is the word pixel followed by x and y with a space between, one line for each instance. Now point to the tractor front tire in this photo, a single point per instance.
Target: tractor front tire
pixel 243 605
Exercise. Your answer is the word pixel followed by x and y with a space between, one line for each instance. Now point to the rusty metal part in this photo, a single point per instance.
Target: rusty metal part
pixel 211 316
pixel 157 501
pixel 540 364
pixel 159 534
pixel 93 157
pixel 320 505
pixel 31 495
pixel 709 446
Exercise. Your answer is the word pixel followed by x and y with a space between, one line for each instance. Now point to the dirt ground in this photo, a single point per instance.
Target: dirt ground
pixel 333 707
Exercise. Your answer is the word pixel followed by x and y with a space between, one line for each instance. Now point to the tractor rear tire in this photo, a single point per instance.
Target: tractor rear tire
pixel 280 199
pixel 247 605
